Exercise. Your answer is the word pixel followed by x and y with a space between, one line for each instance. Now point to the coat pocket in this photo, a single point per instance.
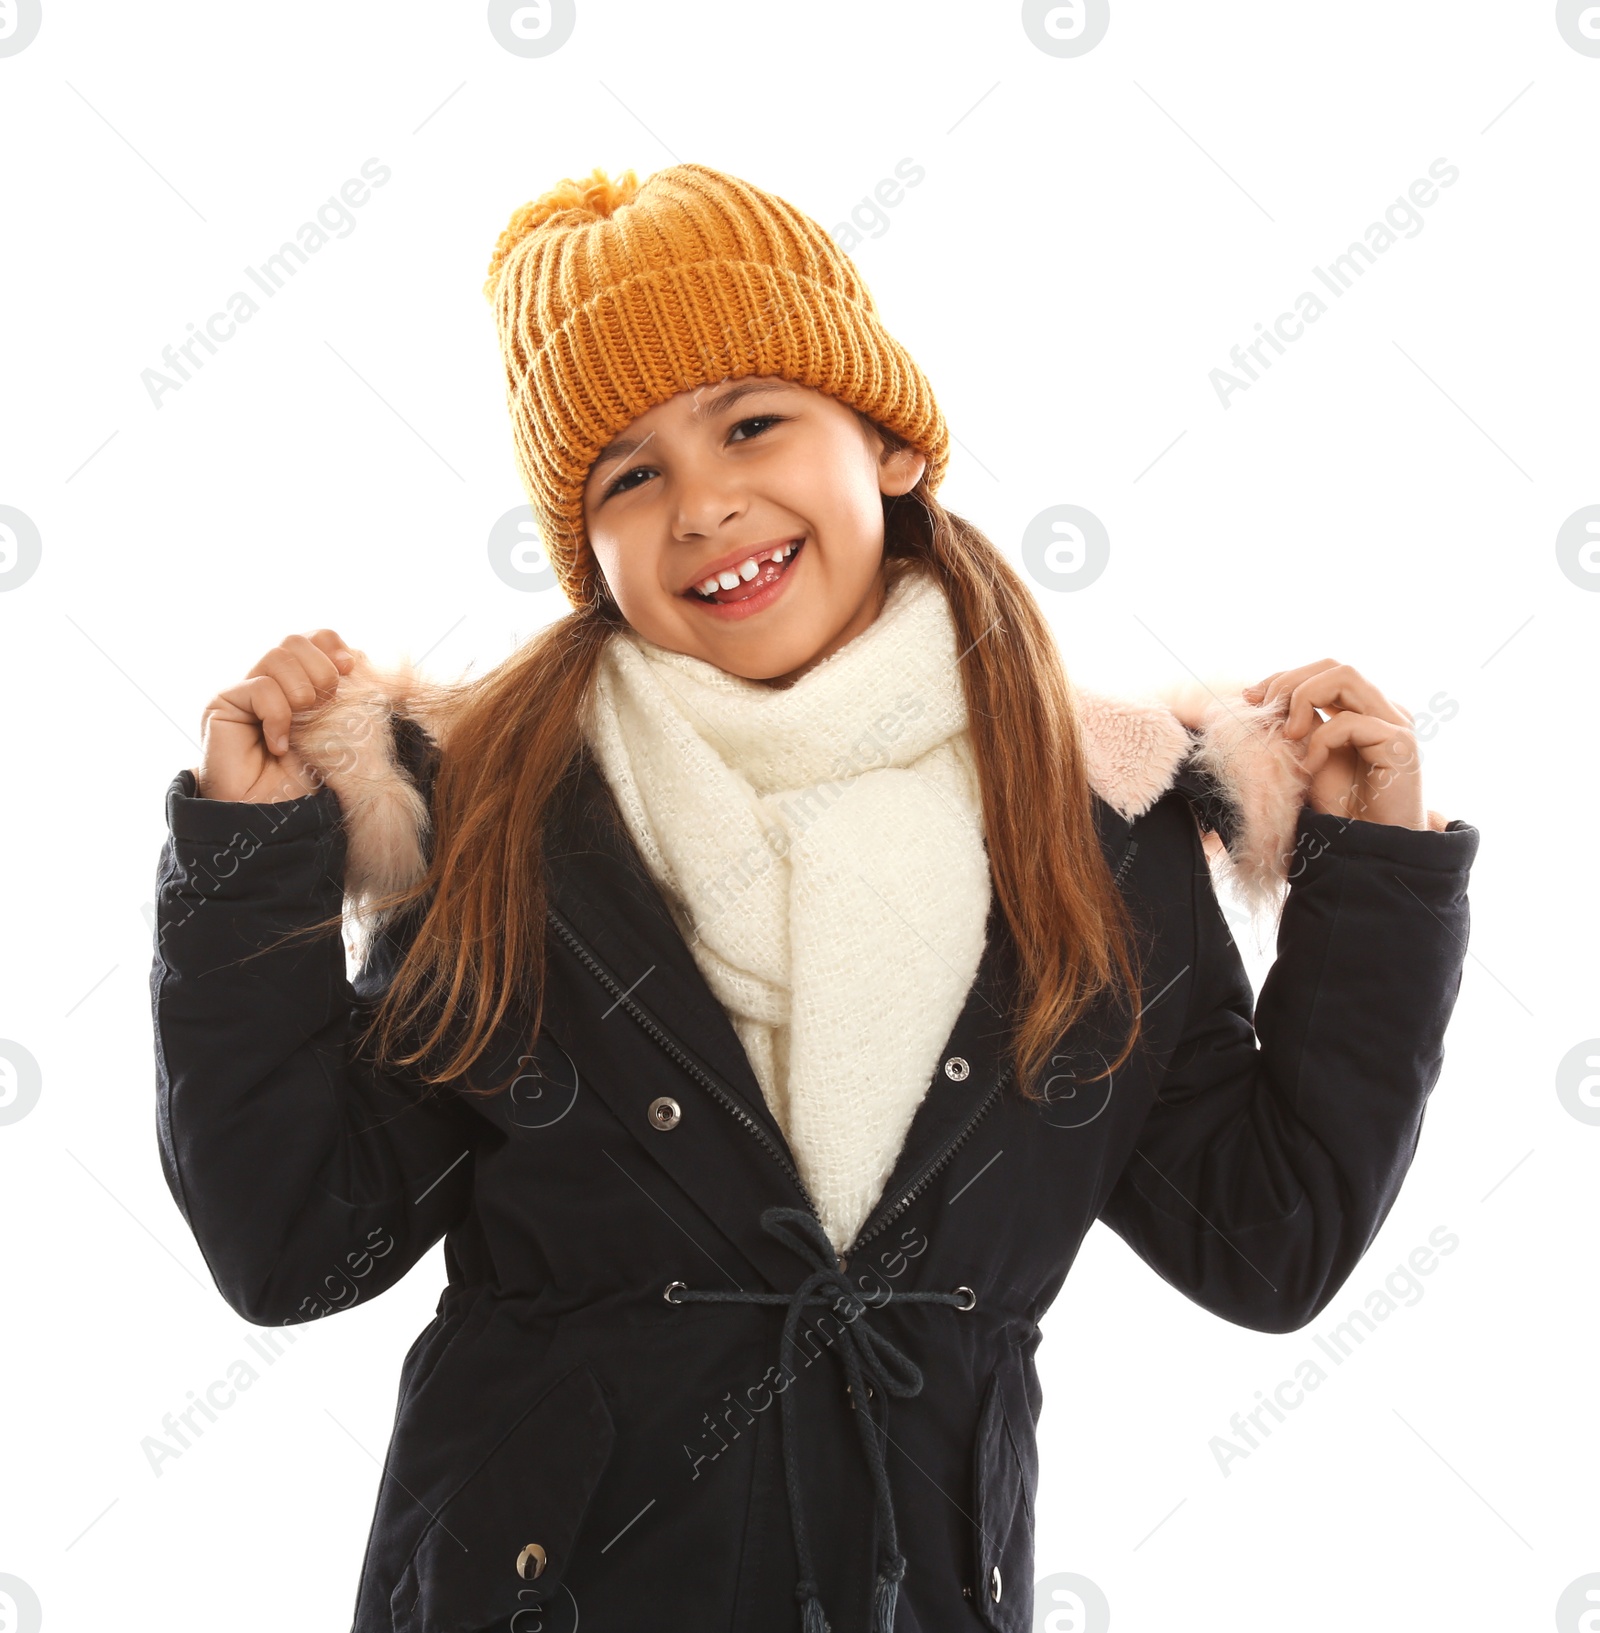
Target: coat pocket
pixel 1005 1476
pixel 502 1542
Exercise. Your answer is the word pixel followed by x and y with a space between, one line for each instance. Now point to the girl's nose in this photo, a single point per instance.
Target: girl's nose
pixel 703 504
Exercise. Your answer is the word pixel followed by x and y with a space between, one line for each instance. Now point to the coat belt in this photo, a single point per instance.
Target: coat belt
pixel 867 1358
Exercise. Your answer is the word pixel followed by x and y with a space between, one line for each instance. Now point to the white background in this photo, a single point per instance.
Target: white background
pixel 1092 236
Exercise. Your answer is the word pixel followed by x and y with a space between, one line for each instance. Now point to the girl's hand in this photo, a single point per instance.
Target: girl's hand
pixel 1360 748
pixel 245 753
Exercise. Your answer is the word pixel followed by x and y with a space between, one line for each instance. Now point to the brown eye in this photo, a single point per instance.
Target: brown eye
pixel 617 487
pixel 763 420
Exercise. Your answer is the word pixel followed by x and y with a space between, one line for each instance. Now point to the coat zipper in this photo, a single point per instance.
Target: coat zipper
pixel 933 1169
pixel 1122 864
pixel 727 1101
pixel 928 1174
pixel 710 1084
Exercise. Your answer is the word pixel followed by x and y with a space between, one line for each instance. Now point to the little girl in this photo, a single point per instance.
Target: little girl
pixel 768 975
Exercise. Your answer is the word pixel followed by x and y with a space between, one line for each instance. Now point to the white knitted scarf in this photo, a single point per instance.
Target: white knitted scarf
pixel 821 848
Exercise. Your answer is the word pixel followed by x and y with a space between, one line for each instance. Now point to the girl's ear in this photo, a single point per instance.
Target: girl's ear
pixel 899 471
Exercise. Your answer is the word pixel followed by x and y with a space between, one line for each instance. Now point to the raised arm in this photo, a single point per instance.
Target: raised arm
pixel 1274 1152
pixel 309 1180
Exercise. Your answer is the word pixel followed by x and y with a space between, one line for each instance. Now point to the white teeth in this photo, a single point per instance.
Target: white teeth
pixel 730 577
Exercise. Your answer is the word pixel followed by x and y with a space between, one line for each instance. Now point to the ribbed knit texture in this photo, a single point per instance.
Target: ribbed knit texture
pixel 611 296
pixel 821 847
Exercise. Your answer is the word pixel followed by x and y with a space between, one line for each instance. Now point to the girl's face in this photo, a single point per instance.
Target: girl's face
pixel 773 486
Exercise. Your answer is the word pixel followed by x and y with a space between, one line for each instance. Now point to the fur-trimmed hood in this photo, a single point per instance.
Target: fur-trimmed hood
pixel 1231 756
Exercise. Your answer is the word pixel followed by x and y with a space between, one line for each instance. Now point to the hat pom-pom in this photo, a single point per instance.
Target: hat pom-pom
pixel 596 195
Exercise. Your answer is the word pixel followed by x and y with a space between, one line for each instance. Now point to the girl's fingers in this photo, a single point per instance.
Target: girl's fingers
pixel 273 708
pixel 331 642
pixel 304 673
pixel 305 667
pixel 1325 686
pixel 1380 742
pixel 1279 685
pixel 1338 688
pixel 258 705
pixel 246 753
pixel 279 685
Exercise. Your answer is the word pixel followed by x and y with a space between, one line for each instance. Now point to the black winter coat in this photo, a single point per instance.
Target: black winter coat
pixel 580 1433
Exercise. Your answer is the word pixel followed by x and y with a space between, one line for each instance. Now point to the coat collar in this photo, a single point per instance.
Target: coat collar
pixel 1230 755
pixel 600 887
pixel 372 741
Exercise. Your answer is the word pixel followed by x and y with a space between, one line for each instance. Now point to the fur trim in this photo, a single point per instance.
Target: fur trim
pixel 1134 750
pixel 349 742
pixel 1257 770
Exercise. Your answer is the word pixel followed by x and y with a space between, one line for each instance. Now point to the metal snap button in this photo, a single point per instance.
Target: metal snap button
pixel 664 1113
pixel 956 1069
pixel 530 1562
pixel 994 1584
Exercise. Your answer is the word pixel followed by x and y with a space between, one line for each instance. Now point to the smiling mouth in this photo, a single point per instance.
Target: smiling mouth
pixel 769 566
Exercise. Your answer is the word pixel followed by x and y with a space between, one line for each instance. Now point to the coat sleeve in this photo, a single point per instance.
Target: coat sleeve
pixel 309 1180
pixel 1274 1151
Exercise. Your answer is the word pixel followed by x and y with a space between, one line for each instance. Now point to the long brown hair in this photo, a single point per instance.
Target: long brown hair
pixel 507 737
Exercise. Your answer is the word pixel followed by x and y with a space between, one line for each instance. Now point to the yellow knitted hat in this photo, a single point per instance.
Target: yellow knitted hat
pixel 611 296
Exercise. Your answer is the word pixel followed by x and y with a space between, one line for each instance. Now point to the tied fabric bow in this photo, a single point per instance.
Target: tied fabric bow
pixel 868 1358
